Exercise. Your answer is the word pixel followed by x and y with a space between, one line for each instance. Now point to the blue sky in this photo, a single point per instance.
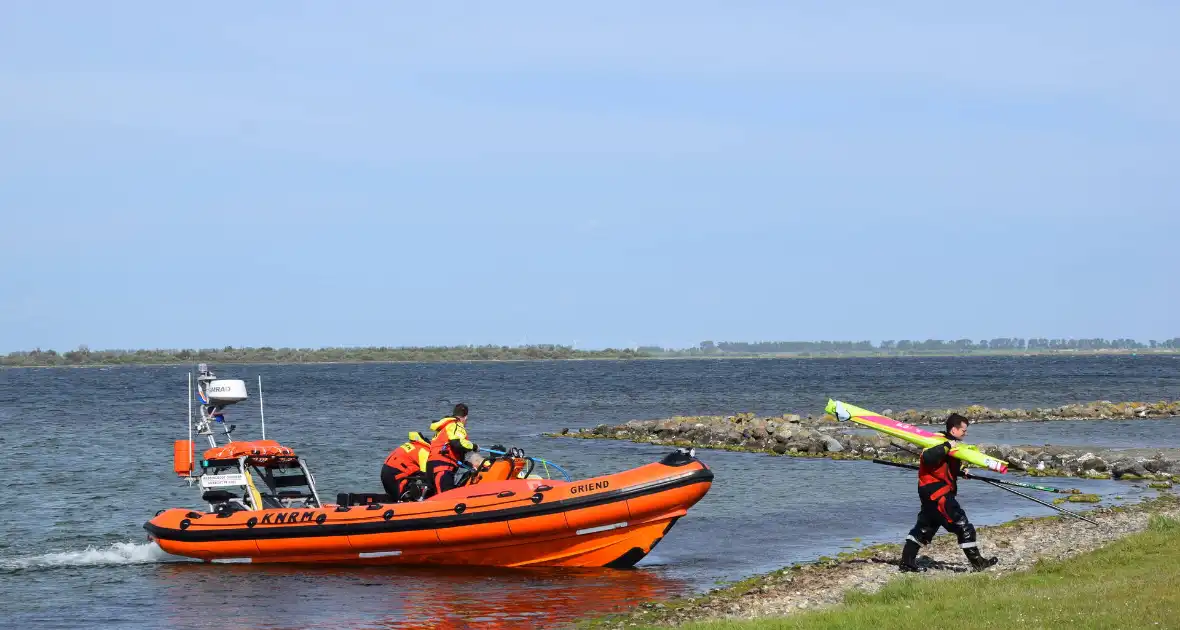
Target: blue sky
pixel 312 174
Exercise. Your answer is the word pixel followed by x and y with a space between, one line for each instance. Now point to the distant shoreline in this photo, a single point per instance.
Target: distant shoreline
pixel 355 356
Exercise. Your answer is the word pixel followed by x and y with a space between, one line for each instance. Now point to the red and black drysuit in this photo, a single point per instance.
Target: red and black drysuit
pixel 449 447
pixel 938 482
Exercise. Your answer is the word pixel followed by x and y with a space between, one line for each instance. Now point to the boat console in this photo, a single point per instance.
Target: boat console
pixel 236 476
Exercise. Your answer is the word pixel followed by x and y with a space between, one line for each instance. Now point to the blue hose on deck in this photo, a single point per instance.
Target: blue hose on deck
pixel 543 462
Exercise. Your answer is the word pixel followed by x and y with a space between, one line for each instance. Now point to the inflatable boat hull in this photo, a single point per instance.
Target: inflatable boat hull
pixel 609 521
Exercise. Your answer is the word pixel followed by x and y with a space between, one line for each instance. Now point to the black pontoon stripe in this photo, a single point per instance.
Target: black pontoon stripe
pixel 310 530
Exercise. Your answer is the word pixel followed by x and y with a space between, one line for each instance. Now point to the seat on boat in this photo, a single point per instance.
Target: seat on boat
pixel 217 496
pixel 294 494
pixel 224 501
pixel 286 481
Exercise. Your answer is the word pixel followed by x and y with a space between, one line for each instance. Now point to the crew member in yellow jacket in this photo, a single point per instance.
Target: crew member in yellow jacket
pixel 449 447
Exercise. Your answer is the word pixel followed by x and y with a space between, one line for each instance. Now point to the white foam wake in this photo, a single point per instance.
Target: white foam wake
pixel 116 554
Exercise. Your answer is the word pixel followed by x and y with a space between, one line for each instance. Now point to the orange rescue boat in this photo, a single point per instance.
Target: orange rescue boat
pixel 503 516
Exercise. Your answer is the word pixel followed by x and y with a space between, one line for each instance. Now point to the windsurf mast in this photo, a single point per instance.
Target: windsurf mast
pixel 1003 485
pixel 969 475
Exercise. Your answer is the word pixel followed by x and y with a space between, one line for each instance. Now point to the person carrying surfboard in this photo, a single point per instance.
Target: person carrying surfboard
pixel 938 475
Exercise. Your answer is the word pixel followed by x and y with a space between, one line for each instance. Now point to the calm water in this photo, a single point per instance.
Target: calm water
pixel 85 457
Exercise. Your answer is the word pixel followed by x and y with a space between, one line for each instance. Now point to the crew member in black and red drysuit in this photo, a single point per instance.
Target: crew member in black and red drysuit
pixel 938 476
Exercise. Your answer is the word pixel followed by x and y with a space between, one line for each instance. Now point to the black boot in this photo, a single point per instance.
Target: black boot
pixel 909 558
pixel 978 562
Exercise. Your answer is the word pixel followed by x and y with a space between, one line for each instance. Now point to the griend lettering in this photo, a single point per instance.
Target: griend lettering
pixel 589 487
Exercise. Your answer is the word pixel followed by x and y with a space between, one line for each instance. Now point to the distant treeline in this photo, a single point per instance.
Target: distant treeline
pixel 934 346
pixel 1012 343
pixel 84 356
pixel 229 354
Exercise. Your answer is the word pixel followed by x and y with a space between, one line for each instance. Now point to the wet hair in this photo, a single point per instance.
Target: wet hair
pixel 955 420
pixel 460 410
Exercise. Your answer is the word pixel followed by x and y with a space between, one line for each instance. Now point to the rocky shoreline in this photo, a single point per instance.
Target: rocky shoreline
pixel 796 436
pixel 1019 545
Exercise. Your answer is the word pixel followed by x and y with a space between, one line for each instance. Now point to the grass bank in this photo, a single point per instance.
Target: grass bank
pixel 1130 583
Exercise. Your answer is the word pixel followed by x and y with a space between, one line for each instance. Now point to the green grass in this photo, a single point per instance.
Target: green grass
pixel 1131 583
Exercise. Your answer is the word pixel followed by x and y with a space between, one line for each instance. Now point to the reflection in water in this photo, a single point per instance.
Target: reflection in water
pixel 246 596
